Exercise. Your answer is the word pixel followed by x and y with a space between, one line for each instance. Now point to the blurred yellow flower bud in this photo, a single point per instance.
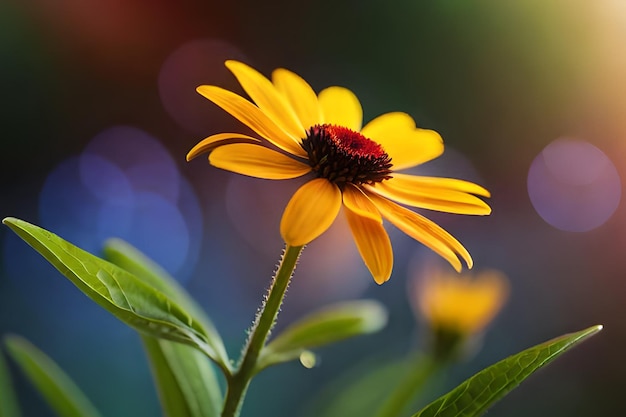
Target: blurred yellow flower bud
pixel 458 307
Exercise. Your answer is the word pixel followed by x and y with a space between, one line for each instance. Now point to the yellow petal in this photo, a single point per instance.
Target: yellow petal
pixel 356 201
pixel 411 190
pixel 250 115
pixel 265 96
pixel 214 141
pixel 410 181
pixel 257 161
pixel 372 242
pixel 299 95
pixel 406 144
pixel 311 211
pixel 424 231
pixel 341 107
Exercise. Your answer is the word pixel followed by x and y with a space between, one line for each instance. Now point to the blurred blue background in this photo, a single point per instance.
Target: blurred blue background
pixel 99 110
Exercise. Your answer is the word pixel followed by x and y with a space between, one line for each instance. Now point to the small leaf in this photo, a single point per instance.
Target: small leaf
pixel 129 258
pixel 478 393
pixel 185 379
pixel 61 393
pixel 358 392
pixel 392 384
pixel 131 300
pixel 8 400
pixel 327 325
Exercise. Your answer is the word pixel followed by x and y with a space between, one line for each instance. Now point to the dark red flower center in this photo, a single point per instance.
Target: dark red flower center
pixel 342 156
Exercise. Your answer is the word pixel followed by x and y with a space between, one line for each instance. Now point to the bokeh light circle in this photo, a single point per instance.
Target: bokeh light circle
pixel 125 184
pixel 143 159
pixel 68 207
pixel 194 63
pixel 159 229
pixel 573 185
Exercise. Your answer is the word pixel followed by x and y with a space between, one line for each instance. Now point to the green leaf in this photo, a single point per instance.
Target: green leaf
pixel 393 385
pixel 418 374
pixel 359 391
pixel 185 379
pixel 327 325
pixel 129 258
pixel 8 400
pixel 131 300
pixel 478 393
pixel 61 393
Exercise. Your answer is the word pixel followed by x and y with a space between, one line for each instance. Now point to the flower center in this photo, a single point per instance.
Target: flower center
pixel 344 156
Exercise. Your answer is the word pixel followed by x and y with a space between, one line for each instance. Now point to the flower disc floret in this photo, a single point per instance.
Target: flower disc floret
pixel 343 156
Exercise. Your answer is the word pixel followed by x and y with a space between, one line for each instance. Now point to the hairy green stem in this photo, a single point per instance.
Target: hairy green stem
pixel 265 319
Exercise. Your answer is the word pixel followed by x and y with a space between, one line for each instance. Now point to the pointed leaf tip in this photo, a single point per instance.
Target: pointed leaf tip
pixel 132 300
pixel 8 220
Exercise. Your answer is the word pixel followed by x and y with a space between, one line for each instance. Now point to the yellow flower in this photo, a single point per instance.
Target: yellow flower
pixel 300 132
pixel 461 305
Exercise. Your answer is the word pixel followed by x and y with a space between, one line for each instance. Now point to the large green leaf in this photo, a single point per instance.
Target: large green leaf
pixel 8 399
pixel 61 393
pixel 129 258
pixel 327 325
pixel 133 301
pixel 185 379
pixel 474 396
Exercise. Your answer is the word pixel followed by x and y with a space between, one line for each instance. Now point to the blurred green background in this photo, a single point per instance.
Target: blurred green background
pixel 99 110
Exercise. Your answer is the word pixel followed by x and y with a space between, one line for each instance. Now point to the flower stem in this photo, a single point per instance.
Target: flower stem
pixel 265 319
pixel 419 369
